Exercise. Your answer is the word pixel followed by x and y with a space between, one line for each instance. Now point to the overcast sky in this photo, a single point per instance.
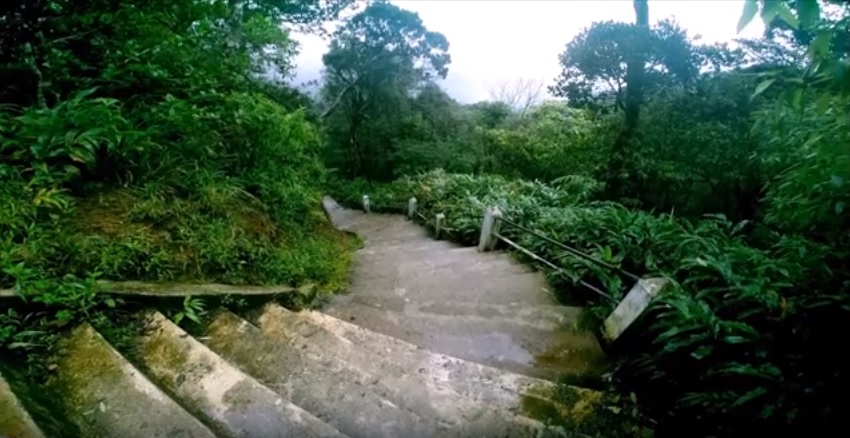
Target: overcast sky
pixel 501 40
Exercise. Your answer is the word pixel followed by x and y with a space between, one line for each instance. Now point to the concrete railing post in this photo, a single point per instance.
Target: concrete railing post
pixel 489 229
pixel 438 224
pixel 411 207
pixel 366 204
pixel 632 306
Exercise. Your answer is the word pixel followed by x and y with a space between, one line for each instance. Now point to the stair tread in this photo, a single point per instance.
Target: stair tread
pixel 449 269
pixel 416 388
pixel 530 288
pixel 15 421
pixel 544 316
pixel 235 403
pixel 409 246
pixel 328 392
pixel 528 347
pixel 106 395
pixel 382 355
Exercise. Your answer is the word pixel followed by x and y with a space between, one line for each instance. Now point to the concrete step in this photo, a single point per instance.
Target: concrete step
pixel 538 348
pixel 398 232
pixel 15 421
pixel 445 378
pixel 542 317
pixel 233 403
pixel 107 397
pixel 449 265
pixel 481 287
pixel 412 246
pixel 491 413
pixel 324 388
pixel 443 251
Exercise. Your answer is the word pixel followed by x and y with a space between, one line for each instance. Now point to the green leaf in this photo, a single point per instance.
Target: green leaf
pixel 808 11
pixel 751 8
pixel 823 102
pixel 769 10
pixel 762 86
pixel 795 98
pixel 751 395
pixel 819 48
pixel 787 16
pixel 194 317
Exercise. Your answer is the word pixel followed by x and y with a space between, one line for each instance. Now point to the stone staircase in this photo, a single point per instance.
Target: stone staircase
pixel 433 340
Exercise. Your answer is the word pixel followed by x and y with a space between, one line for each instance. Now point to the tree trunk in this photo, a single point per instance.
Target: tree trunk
pixel 635 74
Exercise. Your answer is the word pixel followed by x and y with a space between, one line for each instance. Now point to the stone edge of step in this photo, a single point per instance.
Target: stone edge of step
pixel 15 420
pixel 523 387
pixel 414 391
pixel 220 339
pixel 87 357
pixel 554 315
pixel 210 386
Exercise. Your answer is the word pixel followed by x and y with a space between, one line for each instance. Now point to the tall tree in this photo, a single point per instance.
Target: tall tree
pixel 375 63
pixel 595 64
pixel 634 97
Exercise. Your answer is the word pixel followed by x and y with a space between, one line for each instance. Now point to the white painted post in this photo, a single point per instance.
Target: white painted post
pixel 438 225
pixel 411 207
pixel 489 227
pixel 366 204
pixel 632 306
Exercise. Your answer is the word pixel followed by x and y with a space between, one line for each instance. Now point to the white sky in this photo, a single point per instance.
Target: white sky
pixel 491 41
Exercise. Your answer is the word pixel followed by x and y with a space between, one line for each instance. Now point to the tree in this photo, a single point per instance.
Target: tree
pixel 634 98
pixel 595 64
pixel 519 94
pixel 375 62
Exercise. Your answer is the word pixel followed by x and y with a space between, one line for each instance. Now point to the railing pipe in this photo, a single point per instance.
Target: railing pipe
pixel 570 250
pixel 552 265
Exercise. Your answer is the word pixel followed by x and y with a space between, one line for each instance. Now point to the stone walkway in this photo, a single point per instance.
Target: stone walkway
pixel 433 340
pixel 483 307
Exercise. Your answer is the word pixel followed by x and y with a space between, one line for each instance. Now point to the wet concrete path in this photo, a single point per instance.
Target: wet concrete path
pixel 483 307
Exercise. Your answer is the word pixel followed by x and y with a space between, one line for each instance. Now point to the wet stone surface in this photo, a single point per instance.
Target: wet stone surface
pixel 483 307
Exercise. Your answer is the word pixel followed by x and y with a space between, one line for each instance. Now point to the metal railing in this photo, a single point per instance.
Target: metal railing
pixel 491 233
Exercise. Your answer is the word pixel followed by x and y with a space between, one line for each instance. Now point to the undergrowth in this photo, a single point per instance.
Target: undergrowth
pixel 245 210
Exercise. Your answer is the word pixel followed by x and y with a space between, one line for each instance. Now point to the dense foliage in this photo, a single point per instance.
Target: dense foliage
pixel 141 140
pixel 147 140
pixel 721 168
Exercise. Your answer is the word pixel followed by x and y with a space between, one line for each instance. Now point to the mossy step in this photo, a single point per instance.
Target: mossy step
pixel 323 388
pixel 107 397
pixel 419 387
pixel 501 389
pixel 15 421
pixel 233 402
